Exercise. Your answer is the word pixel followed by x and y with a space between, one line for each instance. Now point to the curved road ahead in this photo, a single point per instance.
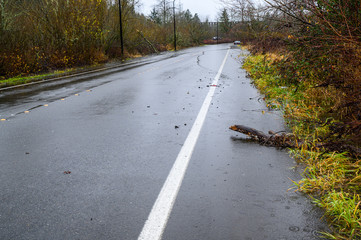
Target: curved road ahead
pixel 144 152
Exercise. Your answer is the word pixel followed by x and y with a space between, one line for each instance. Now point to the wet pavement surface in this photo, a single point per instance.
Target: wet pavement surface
pixel 85 158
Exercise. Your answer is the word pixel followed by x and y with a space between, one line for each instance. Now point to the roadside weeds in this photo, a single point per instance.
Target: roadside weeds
pixel 15 81
pixel 332 179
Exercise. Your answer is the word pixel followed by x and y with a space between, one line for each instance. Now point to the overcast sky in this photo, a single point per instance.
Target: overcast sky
pixel 204 8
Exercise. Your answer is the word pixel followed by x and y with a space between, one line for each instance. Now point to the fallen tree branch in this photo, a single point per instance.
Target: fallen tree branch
pixel 251 132
pixel 283 140
pixel 288 140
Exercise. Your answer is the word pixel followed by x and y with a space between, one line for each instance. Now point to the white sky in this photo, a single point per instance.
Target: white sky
pixel 204 8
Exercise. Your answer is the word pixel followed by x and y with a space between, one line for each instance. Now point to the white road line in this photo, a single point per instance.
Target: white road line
pixel 158 217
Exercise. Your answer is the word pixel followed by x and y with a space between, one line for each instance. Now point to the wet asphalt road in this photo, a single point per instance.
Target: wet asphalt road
pixel 85 158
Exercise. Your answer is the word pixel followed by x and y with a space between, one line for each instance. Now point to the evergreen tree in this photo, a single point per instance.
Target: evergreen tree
pixel 196 18
pixel 154 16
pixel 225 23
pixel 188 16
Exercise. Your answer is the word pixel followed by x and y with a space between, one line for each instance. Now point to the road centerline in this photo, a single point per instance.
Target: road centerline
pixel 157 220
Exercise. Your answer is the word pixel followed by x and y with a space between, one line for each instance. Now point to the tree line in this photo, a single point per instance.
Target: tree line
pixel 41 35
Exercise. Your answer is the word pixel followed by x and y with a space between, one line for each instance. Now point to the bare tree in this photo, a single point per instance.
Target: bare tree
pixel 165 10
pixel 240 9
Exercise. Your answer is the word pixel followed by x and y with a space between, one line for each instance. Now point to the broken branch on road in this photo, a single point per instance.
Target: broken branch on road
pixel 273 139
pixel 289 140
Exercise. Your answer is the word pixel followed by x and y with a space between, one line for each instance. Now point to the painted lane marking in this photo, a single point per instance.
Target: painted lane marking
pixel 159 215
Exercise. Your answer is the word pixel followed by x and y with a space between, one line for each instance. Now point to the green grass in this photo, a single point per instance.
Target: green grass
pixel 27 79
pixel 332 179
pixel 14 81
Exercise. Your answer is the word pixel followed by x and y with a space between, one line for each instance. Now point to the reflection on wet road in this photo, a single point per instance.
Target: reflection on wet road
pixel 86 157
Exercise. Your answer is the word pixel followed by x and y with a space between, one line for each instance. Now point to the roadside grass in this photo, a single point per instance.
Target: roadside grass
pixel 29 78
pixel 34 78
pixel 332 179
pixel 25 78
pixel 18 80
